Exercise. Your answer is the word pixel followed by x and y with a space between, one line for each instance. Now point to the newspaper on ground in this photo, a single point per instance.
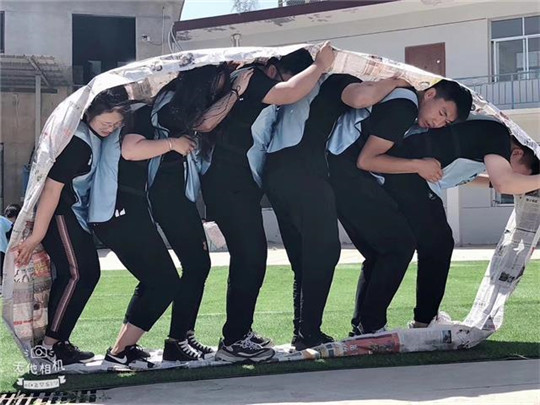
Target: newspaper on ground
pixel 26 289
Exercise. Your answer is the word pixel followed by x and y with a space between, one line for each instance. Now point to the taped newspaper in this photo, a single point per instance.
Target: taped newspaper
pixel 25 291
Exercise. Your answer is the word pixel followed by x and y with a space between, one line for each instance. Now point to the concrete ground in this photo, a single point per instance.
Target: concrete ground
pixel 495 383
pixel 277 256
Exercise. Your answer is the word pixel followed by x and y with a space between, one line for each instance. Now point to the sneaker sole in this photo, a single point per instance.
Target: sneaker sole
pixel 231 358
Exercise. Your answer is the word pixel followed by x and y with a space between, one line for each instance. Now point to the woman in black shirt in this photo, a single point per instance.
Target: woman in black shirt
pixel 61 225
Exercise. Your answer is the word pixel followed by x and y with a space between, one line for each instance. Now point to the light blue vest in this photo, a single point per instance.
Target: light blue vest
pixel 105 185
pixel 82 184
pixel 348 128
pixel 460 171
pixel 291 121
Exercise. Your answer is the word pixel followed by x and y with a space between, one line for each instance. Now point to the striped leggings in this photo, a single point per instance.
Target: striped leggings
pixel 75 270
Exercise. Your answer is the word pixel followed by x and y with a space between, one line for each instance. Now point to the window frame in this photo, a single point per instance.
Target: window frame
pixel 496 199
pixel 523 37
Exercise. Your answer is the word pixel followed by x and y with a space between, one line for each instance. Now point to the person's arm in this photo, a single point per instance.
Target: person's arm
pixel 137 147
pixel 48 201
pixel 299 86
pixel 505 180
pixel 373 158
pixel 366 94
pixel 219 110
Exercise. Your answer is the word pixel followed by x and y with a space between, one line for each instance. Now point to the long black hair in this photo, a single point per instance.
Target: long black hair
pixel 194 92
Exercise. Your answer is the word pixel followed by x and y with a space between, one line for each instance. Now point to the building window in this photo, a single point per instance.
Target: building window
pixel 499 200
pixel 516 48
pixel 2 32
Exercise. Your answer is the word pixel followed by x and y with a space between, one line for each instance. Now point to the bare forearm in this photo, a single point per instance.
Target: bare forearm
pixel 48 201
pixel 296 88
pixel 366 94
pixel 387 164
pixel 217 112
pixel 142 149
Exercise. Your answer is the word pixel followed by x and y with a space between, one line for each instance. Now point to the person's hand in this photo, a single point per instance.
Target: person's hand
pixel 429 169
pixel 325 56
pixel 183 145
pixel 241 81
pixel 398 82
pixel 23 251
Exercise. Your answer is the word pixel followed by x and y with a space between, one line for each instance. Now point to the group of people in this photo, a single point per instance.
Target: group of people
pixel 322 147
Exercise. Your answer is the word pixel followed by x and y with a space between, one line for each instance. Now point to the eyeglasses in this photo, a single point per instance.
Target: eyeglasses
pixel 108 124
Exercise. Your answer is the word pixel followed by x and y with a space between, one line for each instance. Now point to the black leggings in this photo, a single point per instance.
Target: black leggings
pixel 180 221
pixel 425 213
pixel 76 273
pixel 233 200
pixel 304 205
pixel 379 231
pixel 136 241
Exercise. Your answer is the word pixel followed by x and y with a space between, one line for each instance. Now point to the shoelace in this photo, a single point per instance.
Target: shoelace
pixel 249 344
pixel 184 345
pixel 70 347
pixel 139 351
pixel 198 345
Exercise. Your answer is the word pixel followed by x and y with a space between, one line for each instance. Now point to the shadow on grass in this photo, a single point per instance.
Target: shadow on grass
pixel 486 351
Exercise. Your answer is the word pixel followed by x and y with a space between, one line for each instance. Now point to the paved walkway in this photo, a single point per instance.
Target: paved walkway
pixel 494 383
pixel 277 256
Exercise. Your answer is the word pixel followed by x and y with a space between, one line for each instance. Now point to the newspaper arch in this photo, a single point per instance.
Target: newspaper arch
pixel 26 289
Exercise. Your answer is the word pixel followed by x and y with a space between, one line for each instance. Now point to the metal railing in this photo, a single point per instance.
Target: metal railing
pixel 507 91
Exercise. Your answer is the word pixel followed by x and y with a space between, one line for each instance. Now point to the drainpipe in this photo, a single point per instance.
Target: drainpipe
pixel 37 126
pixel 236 39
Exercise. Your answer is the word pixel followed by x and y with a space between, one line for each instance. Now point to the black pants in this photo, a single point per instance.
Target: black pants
pixel 305 208
pixel 76 273
pixel 379 231
pixel 136 241
pixel 180 221
pixel 425 213
pixel 233 200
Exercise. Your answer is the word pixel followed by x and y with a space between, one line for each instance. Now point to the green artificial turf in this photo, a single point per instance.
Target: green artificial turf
pixel 101 320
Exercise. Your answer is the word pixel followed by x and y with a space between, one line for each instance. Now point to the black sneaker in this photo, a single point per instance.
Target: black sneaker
pixel 133 356
pixel 306 341
pixel 70 354
pixel 179 350
pixel 244 350
pixel 294 339
pixel 259 339
pixel 358 330
pixel 193 342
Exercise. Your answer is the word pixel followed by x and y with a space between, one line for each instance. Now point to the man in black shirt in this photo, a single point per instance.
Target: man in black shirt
pixel 369 215
pixel 464 150
pixel 295 179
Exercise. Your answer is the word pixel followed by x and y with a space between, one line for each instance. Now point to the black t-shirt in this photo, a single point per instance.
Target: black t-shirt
pixel 74 161
pixel 388 120
pixel 324 111
pixel 133 175
pixel 234 134
pixel 471 140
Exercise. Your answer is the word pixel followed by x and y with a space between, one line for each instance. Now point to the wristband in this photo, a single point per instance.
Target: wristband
pixel 236 92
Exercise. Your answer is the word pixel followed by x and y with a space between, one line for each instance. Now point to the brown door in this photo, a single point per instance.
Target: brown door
pixel 429 57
